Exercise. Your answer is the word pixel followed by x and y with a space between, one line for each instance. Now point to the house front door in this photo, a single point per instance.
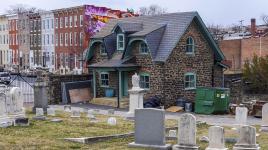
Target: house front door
pixel 124 84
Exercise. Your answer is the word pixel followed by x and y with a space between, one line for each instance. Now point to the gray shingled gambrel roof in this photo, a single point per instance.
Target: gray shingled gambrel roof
pixel 175 26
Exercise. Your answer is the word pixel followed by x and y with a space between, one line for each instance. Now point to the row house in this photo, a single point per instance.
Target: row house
pixel 35 40
pixel 5 53
pixel 13 37
pixel 47 40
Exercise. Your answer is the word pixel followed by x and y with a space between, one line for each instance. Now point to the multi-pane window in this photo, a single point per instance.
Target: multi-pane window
pixel 71 39
pixel 56 23
pixel 143 48
pixel 75 21
pixel 47 23
pixel 44 39
pixel 61 39
pixel 52 23
pixel 145 81
pixel 52 39
pixel 189 81
pixel 190 45
pixel 120 42
pixel 102 49
pixel 43 24
pixel 81 38
pixel 61 22
pixel 81 20
pixel 104 79
pixel 66 22
pixel 66 39
pixel 48 39
pixel 75 38
pixel 71 21
pixel 56 39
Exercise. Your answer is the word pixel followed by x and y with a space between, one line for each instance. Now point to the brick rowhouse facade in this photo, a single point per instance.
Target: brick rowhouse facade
pixel 35 40
pixel 167 78
pixel 4 38
pixel 13 38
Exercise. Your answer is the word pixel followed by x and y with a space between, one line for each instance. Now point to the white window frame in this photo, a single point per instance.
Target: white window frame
pixel 101 80
pixel 81 20
pixel 71 21
pixel 192 45
pixel 143 45
pixel 143 82
pixel 66 39
pixel 102 47
pixel 186 81
pixel 56 23
pixel 66 20
pixel 61 39
pixel 71 39
pixel 117 41
pixel 75 21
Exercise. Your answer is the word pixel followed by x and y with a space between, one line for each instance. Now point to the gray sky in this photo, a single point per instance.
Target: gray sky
pixel 223 12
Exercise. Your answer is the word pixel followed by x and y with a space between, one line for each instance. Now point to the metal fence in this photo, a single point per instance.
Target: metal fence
pixel 26 86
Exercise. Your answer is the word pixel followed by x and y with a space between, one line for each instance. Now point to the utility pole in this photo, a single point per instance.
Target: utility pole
pixel 241 27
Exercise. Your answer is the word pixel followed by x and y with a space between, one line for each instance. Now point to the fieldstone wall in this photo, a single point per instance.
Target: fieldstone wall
pixel 54 85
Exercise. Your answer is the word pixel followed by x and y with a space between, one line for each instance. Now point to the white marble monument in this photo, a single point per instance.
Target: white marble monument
pixel 51 112
pixel 241 114
pixel 135 96
pixel 186 133
pixel 264 124
pixel 111 121
pixel 216 138
pixel 247 139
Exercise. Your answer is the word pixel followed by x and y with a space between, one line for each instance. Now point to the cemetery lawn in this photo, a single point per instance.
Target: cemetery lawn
pixel 49 135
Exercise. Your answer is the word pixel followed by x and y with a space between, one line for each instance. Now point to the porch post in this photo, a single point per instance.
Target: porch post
pixel 120 84
pixel 94 83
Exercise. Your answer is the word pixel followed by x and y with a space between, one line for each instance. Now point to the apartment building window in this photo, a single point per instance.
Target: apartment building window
pixel 81 38
pixel 71 39
pixel 75 38
pixel 52 23
pixel 23 24
pixel 52 58
pixel 17 39
pixel 31 26
pixel 39 39
pixel 56 23
pixel 4 38
pixel 35 25
pixel 24 39
pixel 71 21
pixel 56 39
pixel 48 39
pixel 66 39
pixel 16 24
pixel 61 39
pixel 52 39
pixel 34 38
pixel 81 20
pixel 1 39
pixel 61 22
pixel 47 23
pixel 44 39
pixel 31 40
pixel 75 21
pixel 43 24
pixel 66 22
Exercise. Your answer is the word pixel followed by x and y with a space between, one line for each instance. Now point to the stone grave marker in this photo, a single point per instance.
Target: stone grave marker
pixel 51 112
pixel 172 133
pixel 241 114
pixel 111 121
pixel 39 114
pixel 75 114
pixel 150 129
pixel 247 139
pixel 111 111
pixel 67 108
pixel 216 138
pixel 186 133
pixel 264 124
pixel 21 122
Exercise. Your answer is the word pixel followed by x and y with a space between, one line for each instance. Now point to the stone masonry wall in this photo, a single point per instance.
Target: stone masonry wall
pixel 54 85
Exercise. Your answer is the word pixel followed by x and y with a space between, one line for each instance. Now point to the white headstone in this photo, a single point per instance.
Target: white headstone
pixel 75 114
pixel 111 121
pixel 216 138
pixel 3 111
pixel 111 111
pixel 67 108
pixel 39 112
pixel 187 133
pixel 135 96
pixel 172 133
pixel 51 112
pixel 241 114
pixel 264 124
pixel 150 129
pixel 247 139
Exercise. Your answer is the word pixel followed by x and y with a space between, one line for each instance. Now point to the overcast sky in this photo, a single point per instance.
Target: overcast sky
pixel 223 12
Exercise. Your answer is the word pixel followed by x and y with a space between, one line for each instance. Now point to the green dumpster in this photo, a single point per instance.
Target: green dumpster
pixel 211 100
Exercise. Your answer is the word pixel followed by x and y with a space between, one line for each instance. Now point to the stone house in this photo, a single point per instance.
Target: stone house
pixel 172 53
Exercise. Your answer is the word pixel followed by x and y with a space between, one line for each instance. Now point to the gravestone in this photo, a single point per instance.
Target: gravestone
pixel 76 114
pixel 186 133
pixel 216 138
pixel 264 124
pixel 246 139
pixel 150 129
pixel 67 108
pixel 51 112
pixel 21 122
pixel 111 111
pixel 39 114
pixel 40 93
pixel 111 121
pixel 16 107
pixel 241 114
pixel 172 133
pixel 135 96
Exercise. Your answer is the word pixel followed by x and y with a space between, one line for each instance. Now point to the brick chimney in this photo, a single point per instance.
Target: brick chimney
pixel 253 27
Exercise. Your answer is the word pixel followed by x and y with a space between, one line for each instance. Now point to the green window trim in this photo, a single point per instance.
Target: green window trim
pixel 103 50
pixel 145 80
pixel 120 42
pixel 104 79
pixel 189 81
pixel 143 48
pixel 190 45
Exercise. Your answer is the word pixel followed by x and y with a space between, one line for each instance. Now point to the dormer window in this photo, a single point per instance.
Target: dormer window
pixel 190 45
pixel 103 50
pixel 143 48
pixel 120 42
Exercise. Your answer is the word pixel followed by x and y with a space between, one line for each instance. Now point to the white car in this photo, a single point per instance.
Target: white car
pixel 5 77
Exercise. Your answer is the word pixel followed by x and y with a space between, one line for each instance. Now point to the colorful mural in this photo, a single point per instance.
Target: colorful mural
pixel 97 17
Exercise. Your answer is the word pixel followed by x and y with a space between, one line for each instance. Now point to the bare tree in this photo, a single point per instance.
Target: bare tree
pixel 216 31
pixel 152 10
pixel 21 8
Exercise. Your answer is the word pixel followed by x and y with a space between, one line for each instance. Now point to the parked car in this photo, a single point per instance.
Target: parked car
pixel 5 77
